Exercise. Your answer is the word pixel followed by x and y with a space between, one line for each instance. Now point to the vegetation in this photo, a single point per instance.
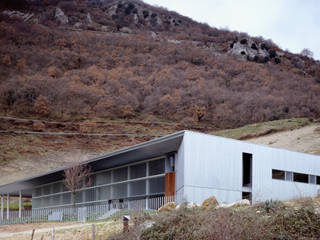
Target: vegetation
pixel 260 129
pixel 184 74
pixel 14 205
pixel 279 220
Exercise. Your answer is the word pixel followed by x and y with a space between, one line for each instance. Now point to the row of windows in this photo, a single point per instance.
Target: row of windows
pixel 140 170
pixel 294 176
pixel 118 191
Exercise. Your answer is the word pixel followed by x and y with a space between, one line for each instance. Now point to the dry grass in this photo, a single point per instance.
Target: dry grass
pixel 271 220
pixel 63 231
pixel 264 128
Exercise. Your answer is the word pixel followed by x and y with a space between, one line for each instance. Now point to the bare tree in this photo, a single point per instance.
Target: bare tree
pixel 307 52
pixel 76 177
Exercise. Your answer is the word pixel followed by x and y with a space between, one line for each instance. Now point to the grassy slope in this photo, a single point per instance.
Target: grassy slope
pixel 260 129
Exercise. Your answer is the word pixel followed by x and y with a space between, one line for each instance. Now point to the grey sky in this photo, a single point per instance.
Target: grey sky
pixel 291 24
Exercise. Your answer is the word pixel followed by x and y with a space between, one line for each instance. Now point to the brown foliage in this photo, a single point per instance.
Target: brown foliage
pixel 42 106
pixel 76 74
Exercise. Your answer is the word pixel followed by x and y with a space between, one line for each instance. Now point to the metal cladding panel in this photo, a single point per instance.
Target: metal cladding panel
pixel 197 195
pixel 214 165
pixel 179 168
pixel 264 187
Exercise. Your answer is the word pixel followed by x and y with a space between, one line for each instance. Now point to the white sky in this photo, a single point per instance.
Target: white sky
pixel 291 24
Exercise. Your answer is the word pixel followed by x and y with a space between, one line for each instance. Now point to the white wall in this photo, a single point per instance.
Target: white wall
pixel 213 166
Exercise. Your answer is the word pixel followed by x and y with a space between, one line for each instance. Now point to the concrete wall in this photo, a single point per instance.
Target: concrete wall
pixel 213 166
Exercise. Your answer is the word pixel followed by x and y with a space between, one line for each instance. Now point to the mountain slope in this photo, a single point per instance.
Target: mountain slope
pixel 123 66
pixel 181 70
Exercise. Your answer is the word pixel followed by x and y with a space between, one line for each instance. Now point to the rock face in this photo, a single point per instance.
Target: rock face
pixel 168 207
pixel 129 13
pixel 209 203
pixel 60 16
pixel 16 14
pixel 252 51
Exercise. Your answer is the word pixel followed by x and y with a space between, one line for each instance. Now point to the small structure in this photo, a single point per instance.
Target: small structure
pixel 188 165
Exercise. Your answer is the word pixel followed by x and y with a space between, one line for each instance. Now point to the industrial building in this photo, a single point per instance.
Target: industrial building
pixel 189 165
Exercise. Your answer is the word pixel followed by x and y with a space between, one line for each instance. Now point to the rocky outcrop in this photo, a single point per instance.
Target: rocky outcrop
pixel 140 14
pixel 243 202
pixel 17 14
pixel 60 16
pixel 246 48
pixel 209 203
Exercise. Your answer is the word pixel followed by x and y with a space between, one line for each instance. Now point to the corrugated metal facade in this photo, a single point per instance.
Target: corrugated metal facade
pixel 213 166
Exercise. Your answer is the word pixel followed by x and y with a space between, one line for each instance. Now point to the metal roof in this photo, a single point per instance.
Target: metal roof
pixel 153 148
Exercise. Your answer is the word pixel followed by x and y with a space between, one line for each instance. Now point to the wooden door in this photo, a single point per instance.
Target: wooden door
pixel 170 184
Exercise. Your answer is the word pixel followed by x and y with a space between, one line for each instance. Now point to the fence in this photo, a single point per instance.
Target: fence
pixel 85 213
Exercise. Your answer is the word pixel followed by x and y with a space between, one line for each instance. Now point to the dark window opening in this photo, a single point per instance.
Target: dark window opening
pixel 300 177
pixel 278 174
pixel 247 195
pixel 318 180
pixel 243 53
pixel 246 169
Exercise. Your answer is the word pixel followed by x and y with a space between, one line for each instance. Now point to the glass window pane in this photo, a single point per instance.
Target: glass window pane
pixel 138 171
pixel 90 195
pixel 120 174
pixel 79 197
pixel 156 185
pixel 278 174
pixel 318 180
pixel 300 177
pixel 104 193
pixel 66 198
pixel 56 187
pixel 119 191
pixel 46 190
pixel 156 167
pixel 312 179
pixel 55 200
pixel 103 178
pixel 289 176
pixel 138 188
pixel 36 192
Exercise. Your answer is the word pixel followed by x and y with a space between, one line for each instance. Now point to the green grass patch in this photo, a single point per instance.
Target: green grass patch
pixel 260 129
pixel 14 206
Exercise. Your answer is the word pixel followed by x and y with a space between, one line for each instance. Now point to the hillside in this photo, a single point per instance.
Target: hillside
pixel 125 67
pixel 129 60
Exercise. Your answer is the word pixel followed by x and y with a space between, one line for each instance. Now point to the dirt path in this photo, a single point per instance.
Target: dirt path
pixel 65 231
pixel 305 139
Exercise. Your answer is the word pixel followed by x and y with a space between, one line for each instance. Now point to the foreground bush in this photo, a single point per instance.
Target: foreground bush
pixel 278 222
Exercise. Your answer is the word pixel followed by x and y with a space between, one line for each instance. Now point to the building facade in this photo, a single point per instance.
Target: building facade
pixel 190 165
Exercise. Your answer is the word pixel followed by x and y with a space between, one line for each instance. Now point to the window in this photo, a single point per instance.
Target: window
pixel 138 188
pixel 138 171
pixel 103 178
pixel 289 176
pixel 246 169
pixel 300 177
pixel 156 167
pixel 157 185
pixel 318 180
pixel 278 174
pixel 312 179
pixel 120 174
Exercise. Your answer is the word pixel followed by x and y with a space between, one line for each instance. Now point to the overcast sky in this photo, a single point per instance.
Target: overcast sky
pixel 291 24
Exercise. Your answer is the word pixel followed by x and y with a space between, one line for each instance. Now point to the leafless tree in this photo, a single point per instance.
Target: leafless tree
pixel 76 177
pixel 307 52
